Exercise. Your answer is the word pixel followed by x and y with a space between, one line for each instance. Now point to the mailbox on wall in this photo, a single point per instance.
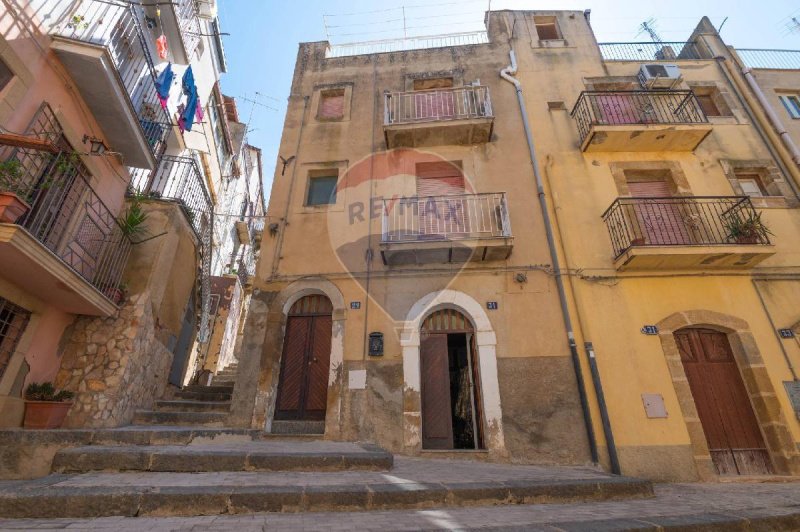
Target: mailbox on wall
pixel 375 344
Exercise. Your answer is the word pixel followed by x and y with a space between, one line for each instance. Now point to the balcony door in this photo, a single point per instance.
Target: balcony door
pixel 434 100
pixel 658 221
pixel 441 201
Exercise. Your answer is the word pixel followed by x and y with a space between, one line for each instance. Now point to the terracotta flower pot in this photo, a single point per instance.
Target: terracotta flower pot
pixel 11 207
pixel 45 414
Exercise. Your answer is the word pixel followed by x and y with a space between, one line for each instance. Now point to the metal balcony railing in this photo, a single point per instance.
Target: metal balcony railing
pixel 66 215
pixel 186 11
pixel 117 26
pixel 246 266
pixel 650 51
pixel 595 108
pixel 454 217
pixel 437 105
pixel 409 43
pixel 770 59
pixel 679 221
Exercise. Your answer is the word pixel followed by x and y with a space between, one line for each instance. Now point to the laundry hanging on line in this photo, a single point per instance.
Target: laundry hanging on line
pixel 192 100
pixel 161 46
pixel 164 84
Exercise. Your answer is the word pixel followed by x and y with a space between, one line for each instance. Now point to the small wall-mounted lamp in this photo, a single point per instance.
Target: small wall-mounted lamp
pixel 98 147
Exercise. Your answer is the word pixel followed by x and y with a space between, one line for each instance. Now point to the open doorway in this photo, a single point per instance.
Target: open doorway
pixel 451 413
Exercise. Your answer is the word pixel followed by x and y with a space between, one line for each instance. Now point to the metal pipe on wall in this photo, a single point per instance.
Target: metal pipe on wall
pixel 507 74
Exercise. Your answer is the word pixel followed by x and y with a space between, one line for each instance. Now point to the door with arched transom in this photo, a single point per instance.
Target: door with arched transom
pixel 305 363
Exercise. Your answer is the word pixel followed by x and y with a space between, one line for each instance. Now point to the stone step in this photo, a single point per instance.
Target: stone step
pixel 202 396
pixel 205 419
pixel 193 494
pixel 208 389
pixel 247 456
pixel 222 382
pixel 193 406
pixel 298 427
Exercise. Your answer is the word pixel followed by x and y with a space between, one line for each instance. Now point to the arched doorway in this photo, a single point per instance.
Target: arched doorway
pixel 450 383
pixel 726 414
pixel 305 362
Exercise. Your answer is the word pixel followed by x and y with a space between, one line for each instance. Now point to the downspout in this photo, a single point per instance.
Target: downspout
pixel 507 74
pixel 773 117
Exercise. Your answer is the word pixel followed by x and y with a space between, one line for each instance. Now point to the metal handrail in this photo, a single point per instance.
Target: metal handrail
pixel 447 217
pixel 678 221
pixel 636 107
pixel 437 105
pixel 408 43
pixel 770 58
pixel 650 51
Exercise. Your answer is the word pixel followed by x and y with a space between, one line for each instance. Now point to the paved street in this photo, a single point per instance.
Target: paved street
pixel 709 502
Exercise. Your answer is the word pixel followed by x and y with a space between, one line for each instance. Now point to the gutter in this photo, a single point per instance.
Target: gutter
pixel 507 74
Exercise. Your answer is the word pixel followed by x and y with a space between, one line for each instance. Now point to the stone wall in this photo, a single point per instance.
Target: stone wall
pixel 114 365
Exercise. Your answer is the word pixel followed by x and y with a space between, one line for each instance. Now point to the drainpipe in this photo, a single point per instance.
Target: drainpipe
pixel 507 74
pixel 773 117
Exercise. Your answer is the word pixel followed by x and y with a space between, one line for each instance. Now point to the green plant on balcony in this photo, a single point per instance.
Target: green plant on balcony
pixel 747 228
pixel 14 194
pixel 133 219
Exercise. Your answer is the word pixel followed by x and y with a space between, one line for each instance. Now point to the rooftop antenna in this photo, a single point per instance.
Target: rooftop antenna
pixel 794 25
pixel 649 27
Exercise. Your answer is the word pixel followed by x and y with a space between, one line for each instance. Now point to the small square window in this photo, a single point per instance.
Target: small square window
pixel 6 75
pixel 752 185
pixel 711 101
pixel 792 104
pixel 331 104
pixel 547 28
pixel 322 190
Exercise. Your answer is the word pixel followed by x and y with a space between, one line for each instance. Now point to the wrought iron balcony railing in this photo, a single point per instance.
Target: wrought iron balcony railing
pixel 117 26
pixel 246 267
pixel 454 217
pixel 186 11
pixel 437 105
pixel 66 215
pixel 770 59
pixel 650 51
pixel 608 108
pixel 681 221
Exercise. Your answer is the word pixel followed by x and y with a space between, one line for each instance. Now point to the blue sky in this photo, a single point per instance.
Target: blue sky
pixel 264 35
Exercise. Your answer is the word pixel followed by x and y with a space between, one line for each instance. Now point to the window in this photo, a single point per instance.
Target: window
pixel 792 104
pixel 331 104
pixel 322 190
pixel 13 320
pixel 711 101
pixel 219 133
pixel 547 28
pixel 752 185
pixel 6 75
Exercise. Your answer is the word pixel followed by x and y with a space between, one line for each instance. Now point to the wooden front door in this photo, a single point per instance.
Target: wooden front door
pixel 729 423
pixel 305 364
pixel 437 420
pixel 658 221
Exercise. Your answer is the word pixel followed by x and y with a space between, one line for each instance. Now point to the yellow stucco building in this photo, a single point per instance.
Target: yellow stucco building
pixel 412 290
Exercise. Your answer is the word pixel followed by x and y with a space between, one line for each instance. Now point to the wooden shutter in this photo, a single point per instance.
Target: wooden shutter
pixel 437 416
pixel 331 105
pixel 439 179
pixel 649 189
pixel 660 223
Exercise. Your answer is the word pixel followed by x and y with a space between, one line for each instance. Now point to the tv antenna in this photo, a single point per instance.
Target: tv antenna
pixel 649 27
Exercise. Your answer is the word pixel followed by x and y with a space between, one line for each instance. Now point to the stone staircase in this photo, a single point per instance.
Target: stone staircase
pixel 194 405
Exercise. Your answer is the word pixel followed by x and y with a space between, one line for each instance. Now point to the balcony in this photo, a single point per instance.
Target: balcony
pixel 679 233
pixel 104 49
pixel 246 267
pixel 457 116
pixel 68 249
pixel 446 229
pixel 180 25
pixel 636 121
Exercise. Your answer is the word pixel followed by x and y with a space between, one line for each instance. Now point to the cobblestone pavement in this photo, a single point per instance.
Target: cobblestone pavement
pixel 672 501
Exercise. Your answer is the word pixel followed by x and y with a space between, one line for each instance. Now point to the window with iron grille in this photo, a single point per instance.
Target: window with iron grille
pixel 13 320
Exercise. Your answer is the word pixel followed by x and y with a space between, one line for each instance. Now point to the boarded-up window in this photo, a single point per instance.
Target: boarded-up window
pixel 331 104
pixel 322 190
pixel 6 75
pixel 547 28
pixel 439 178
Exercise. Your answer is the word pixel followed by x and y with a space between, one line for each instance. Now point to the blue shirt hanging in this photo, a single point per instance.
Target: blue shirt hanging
pixel 190 90
pixel 164 83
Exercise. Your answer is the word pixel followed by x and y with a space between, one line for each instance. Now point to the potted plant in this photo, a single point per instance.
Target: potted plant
pixel 747 228
pixel 132 221
pixel 13 200
pixel 45 408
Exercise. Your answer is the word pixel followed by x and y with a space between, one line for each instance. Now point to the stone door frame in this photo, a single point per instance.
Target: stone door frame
pixel 760 390
pixel 486 344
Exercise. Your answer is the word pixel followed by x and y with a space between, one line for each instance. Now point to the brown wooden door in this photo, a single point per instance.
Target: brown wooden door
pixel 660 222
pixel 437 420
pixel 303 386
pixel 729 423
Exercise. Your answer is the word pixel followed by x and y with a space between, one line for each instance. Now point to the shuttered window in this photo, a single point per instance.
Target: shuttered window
pixel 13 320
pixel 331 104
pixel 322 190
pixel 439 178
pixel 547 28
pixel 792 105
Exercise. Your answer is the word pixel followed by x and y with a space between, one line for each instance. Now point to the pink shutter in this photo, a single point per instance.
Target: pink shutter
pixel 660 223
